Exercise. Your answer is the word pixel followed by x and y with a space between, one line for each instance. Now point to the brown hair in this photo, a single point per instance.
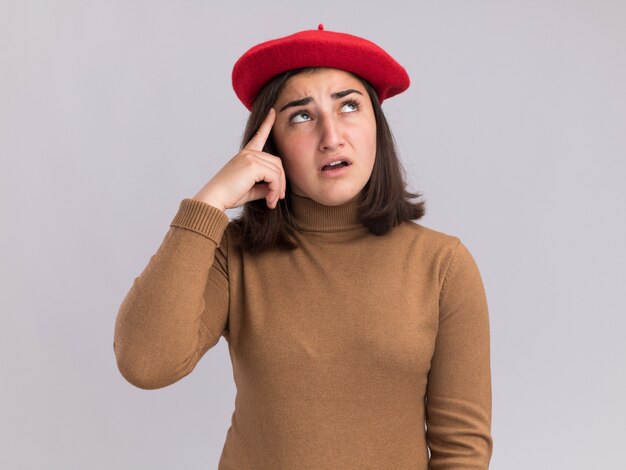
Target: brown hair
pixel 383 202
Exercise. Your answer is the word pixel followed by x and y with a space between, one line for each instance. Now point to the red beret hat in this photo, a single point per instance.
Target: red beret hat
pixel 317 48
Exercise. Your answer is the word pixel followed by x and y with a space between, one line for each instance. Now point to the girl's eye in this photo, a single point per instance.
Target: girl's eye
pixel 351 105
pixel 296 117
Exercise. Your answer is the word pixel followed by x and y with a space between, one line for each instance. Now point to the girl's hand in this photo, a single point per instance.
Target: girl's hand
pixel 236 183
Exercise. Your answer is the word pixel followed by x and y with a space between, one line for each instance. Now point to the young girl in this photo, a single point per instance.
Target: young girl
pixel 358 337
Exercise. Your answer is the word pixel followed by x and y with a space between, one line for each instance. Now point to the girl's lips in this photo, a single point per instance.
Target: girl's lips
pixel 333 172
pixel 337 158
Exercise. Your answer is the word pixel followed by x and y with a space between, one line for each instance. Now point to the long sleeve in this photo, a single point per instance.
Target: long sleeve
pixel 177 308
pixel 458 401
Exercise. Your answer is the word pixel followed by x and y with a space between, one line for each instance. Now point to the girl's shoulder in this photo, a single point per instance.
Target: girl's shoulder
pixel 416 231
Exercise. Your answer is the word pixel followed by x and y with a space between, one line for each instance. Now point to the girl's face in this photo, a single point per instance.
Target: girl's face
pixel 322 117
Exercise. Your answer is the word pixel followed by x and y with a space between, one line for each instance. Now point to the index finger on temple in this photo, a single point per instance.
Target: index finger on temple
pixel 260 137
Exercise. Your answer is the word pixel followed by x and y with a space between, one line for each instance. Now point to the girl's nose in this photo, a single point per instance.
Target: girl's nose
pixel 330 137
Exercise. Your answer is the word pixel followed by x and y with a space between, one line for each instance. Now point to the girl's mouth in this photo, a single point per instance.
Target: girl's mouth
pixel 335 169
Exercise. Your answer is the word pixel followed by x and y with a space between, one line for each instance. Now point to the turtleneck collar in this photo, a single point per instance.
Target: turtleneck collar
pixel 309 215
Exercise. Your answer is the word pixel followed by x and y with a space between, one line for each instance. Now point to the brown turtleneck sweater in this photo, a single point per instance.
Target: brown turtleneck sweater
pixel 353 351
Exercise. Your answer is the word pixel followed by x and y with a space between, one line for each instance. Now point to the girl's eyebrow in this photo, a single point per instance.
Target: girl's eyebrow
pixel 301 102
pixel 308 99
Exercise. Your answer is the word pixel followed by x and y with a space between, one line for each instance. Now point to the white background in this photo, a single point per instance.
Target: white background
pixel 112 112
